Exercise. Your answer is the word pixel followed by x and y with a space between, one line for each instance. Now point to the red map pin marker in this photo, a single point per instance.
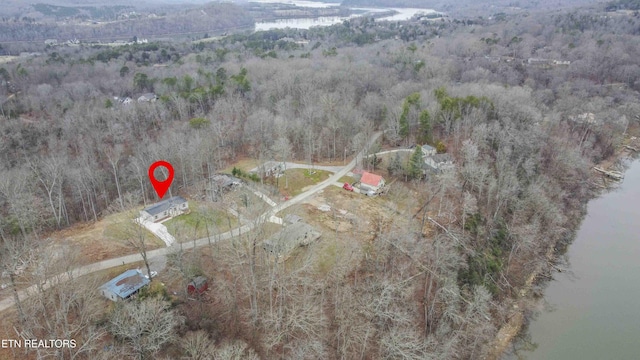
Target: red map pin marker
pixel 161 187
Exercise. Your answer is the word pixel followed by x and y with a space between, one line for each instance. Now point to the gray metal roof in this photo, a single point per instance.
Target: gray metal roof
pixel 199 281
pixel 164 205
pixel 126 283
pixel 292 236
pixel 292 218
pixel 224 180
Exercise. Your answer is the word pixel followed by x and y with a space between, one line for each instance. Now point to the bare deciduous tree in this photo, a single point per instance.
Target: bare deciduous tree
pixel 145 326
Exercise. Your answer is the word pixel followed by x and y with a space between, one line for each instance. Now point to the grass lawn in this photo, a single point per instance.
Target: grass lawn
pixel 245 165
pixel 194 225
pixel 346 179
pixel 120 229
pixel 298 180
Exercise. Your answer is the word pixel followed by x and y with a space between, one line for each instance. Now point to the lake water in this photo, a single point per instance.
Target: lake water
pixel 306 23
pixel 596 311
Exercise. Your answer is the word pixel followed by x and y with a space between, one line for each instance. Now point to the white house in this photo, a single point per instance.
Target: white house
pixel 428 150
pixel 370 182
pixel 148 97
pixel 438 162
pixel 171 207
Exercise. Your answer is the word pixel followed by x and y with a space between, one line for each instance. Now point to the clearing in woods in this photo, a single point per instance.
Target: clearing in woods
pixel 104 239
pixel 201 221
pixel 298 180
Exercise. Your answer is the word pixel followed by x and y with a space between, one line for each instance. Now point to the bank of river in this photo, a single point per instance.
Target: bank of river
pixel 399 14
pixel 592 310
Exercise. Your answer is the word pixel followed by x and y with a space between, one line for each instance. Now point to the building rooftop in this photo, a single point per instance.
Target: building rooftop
pixel 370 179
pixel 126 283
pixel 292 218
pixel 147 97
pixel 163 205
pixel 292 236
pixel 427 148
pixel 224 180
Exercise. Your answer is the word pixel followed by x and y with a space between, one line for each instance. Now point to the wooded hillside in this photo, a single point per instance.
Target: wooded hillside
pixel 506 98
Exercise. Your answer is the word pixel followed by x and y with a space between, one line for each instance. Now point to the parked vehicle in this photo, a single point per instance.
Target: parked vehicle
pixel 347 186
pixel 153 274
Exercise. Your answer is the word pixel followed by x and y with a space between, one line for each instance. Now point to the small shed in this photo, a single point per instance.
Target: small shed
pixel 124 285
pixel 198 285
pixel 171 207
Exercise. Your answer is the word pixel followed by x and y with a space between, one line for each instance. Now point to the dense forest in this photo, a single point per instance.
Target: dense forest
pixel 525 103
pixel 212 18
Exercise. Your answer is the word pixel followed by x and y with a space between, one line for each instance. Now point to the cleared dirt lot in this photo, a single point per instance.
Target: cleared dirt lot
pixel 104 239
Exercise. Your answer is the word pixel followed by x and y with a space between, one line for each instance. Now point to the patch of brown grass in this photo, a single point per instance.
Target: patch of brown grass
pixel 244 164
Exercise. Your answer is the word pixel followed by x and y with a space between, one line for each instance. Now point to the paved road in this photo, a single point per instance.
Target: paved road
pixel 133 258
pixel 291 165
pixel 392 151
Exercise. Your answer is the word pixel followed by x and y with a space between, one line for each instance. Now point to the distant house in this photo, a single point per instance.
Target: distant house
pixel 124 101
pixel 290 237
pixel 171 207
pixel 221 183
pixel 148 97
pixel 51 42
pixel 538 61
pixel 585 118
pixel 269 168
pixel 198 285
pixel 124 285
pixel 370 182
pixel 438 162
pixel 428 150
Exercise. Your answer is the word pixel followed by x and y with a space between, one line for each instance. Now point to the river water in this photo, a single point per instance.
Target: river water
pixel 306 23
pixel 595 312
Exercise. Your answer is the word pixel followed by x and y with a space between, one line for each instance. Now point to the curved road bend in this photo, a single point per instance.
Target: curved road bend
pixel 129 259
